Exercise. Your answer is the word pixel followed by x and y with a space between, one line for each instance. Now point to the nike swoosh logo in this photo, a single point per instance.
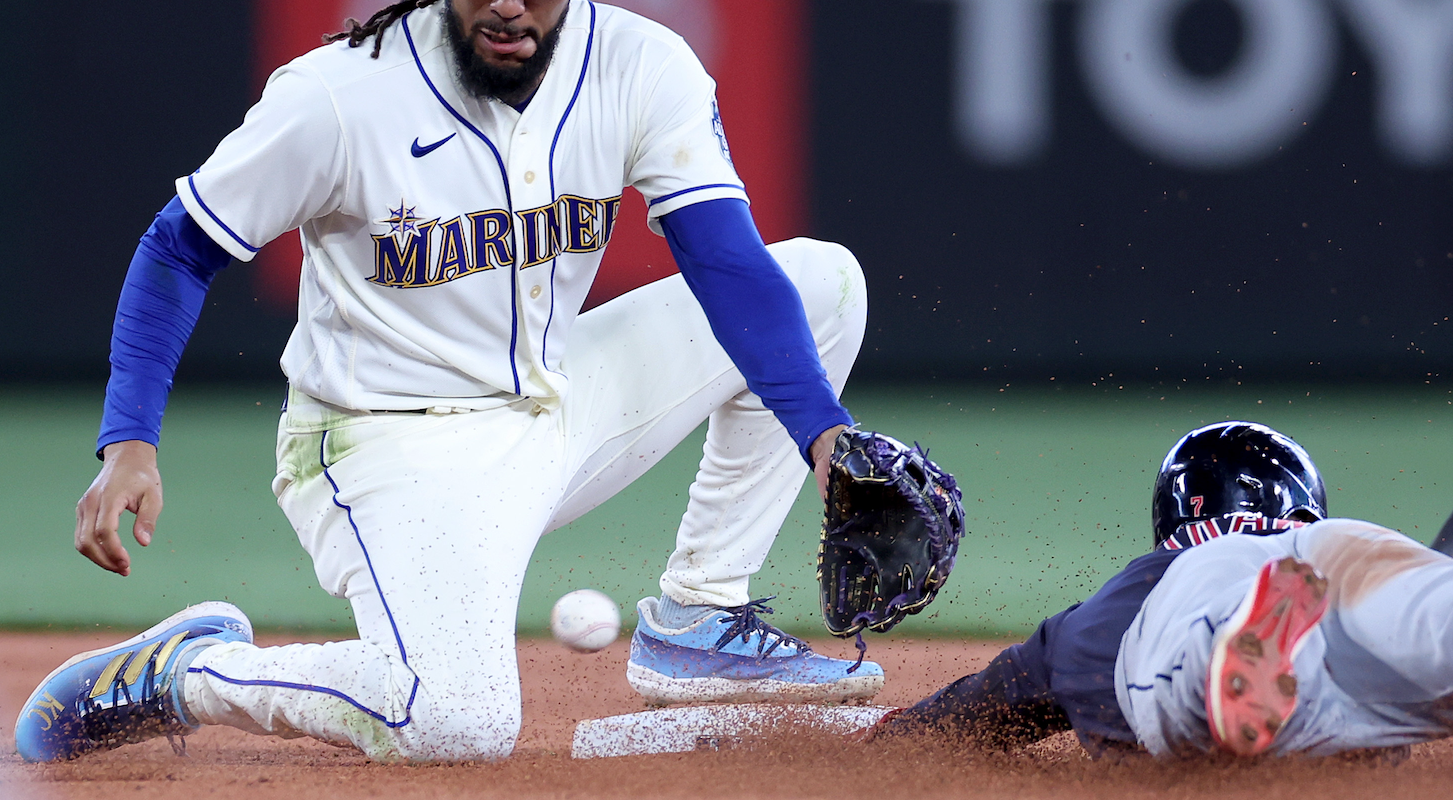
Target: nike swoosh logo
pixel 420 151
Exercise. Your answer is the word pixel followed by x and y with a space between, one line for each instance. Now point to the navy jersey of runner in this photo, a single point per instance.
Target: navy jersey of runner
pixel 1060 678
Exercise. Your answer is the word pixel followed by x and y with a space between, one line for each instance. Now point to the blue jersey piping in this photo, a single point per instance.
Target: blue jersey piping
pixel 554 262
pixel 509 200
pixel 698 189
pixel 192 184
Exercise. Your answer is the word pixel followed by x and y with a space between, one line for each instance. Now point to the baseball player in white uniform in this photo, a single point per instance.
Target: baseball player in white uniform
pixel 455 169
pixel 1255 626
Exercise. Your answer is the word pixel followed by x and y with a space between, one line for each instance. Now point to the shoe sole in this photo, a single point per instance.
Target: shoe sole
pixel 214 608
pixel 1251 689
pixel 661 689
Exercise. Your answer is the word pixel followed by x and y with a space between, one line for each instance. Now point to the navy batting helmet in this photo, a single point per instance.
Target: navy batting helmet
pixel 1235 468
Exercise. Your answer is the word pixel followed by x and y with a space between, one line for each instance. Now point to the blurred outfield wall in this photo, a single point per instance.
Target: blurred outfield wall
pixel 1082 190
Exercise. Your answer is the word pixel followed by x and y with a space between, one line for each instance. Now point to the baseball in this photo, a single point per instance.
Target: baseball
pixel 585 620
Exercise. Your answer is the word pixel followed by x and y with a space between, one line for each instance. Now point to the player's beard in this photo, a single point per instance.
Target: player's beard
pixel 484 80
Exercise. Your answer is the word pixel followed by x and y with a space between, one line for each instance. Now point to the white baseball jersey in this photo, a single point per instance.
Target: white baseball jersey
pixel 448 241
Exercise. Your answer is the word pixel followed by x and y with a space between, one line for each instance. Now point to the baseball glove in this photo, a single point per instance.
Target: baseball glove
pixel 889 536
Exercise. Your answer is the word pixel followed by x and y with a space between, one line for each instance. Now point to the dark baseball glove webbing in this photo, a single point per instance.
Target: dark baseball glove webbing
pixel 889 536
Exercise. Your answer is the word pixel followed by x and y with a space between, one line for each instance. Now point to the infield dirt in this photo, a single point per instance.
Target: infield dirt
pixel 561 688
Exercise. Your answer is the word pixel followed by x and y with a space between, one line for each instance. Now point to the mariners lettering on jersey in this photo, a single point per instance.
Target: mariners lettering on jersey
pixel 418 252
pixel 1202 531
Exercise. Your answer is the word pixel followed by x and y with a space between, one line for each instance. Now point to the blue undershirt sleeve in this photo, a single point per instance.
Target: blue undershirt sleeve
pixel 755 313
pixel 1061 678
pixel 1007 705
pixel 160 301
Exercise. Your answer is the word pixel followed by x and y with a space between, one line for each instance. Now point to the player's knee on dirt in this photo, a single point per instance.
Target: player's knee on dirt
pixel 482 730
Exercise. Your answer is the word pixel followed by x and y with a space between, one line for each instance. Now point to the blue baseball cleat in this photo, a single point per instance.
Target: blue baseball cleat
pixel 733 656
pixel 123 693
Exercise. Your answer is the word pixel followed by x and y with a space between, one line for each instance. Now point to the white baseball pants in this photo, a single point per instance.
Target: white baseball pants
pixel 426 522
pixel 1377 671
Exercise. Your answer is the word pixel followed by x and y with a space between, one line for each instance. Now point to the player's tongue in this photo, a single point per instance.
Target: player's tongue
pixel 520 45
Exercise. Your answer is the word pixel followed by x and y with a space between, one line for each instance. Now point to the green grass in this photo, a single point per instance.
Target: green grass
pixel 1056 487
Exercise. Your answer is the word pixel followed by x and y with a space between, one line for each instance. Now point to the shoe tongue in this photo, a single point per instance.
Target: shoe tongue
pixel 676 616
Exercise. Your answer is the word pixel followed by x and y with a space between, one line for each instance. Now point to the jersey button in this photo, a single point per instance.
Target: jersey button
pixel 535 293
pixel 529 177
